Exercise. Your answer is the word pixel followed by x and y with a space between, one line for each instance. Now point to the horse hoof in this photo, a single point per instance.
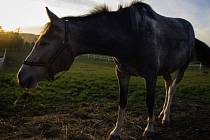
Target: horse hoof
pixel 148 135
pixel 165 123
pixel 114 137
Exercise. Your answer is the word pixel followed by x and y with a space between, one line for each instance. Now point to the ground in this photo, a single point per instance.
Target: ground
pixel 82 105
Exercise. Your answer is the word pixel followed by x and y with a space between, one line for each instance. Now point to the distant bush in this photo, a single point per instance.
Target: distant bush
pixel 17 48
pixel 11 40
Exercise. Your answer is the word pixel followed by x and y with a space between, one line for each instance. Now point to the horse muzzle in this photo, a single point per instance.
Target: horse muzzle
pixel 26 80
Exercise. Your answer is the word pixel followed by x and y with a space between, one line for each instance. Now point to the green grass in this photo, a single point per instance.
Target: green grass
pixel 85 101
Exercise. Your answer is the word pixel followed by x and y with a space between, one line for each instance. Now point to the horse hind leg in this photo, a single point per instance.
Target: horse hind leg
pixel 123 81
pixel 168 82
pixel 171 91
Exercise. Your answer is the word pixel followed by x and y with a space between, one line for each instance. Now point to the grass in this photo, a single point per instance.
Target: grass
pixel 83 105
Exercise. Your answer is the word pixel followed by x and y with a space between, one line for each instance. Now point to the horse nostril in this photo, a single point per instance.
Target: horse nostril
pixel 21 83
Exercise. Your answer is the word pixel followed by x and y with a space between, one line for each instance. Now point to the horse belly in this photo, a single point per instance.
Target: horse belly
pixel 136 69
pixel 128 69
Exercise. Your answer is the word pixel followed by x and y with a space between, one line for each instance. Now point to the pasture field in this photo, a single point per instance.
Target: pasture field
pixel 82 105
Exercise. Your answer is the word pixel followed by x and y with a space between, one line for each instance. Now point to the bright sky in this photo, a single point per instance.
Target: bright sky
pixel 30 14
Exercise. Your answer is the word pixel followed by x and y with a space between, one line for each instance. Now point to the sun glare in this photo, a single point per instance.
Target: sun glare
pixel 8 27
pixel 25 14
pixel 21 13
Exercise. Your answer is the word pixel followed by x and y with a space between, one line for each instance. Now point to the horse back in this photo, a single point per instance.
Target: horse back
pixel 175 42
pixel 158 45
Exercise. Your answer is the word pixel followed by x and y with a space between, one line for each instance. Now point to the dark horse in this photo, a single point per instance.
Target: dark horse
pixel 142 42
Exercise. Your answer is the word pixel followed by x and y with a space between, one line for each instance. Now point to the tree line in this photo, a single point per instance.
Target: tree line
pixel 12 41
pixel 17 48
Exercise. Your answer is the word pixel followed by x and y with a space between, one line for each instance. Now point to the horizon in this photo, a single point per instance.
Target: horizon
pixel 13 16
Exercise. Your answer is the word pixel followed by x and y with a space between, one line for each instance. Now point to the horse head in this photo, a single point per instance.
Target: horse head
pixel 51 54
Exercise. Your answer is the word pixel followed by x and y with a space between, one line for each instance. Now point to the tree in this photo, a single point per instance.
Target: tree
pixel 11 40
pixel 1 29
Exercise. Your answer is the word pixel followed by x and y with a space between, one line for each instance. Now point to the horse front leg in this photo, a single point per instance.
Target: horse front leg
pixel 149 131
pixel 123 81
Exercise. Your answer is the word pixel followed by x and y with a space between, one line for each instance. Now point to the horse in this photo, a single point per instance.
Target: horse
pixel 142 42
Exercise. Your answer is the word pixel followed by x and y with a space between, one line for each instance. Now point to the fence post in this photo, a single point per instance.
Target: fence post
pixel 200 67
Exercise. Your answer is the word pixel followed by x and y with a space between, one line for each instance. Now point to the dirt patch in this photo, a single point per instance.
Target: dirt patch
pixel 94 123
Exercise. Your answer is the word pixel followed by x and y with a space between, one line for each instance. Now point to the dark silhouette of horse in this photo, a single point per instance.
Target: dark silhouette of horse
pixel 142 42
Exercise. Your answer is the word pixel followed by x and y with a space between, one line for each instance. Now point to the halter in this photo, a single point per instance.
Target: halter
pixel 48 65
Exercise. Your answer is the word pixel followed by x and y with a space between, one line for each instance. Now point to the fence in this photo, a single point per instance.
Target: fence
pixel 2 59
pixel 100 57
pixel 194 64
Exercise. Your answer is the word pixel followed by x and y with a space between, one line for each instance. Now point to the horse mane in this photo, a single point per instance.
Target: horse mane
pixel 104 9
pixel 44 29
pixel 99 9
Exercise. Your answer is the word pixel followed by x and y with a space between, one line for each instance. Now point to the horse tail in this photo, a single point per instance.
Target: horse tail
pixel 201 53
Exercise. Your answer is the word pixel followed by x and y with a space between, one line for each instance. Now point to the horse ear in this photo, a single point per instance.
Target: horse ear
pixel 53 18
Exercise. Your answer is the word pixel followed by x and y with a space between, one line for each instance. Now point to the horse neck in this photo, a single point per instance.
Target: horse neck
pixel 96 34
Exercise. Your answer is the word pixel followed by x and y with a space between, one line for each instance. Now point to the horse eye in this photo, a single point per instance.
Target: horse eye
pixel 43 43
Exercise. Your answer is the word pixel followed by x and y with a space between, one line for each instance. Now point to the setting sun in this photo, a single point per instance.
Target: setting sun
pixel 15 14
pixel 25 14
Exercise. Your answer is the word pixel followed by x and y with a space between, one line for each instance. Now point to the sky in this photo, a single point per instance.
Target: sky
pixel 30 15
